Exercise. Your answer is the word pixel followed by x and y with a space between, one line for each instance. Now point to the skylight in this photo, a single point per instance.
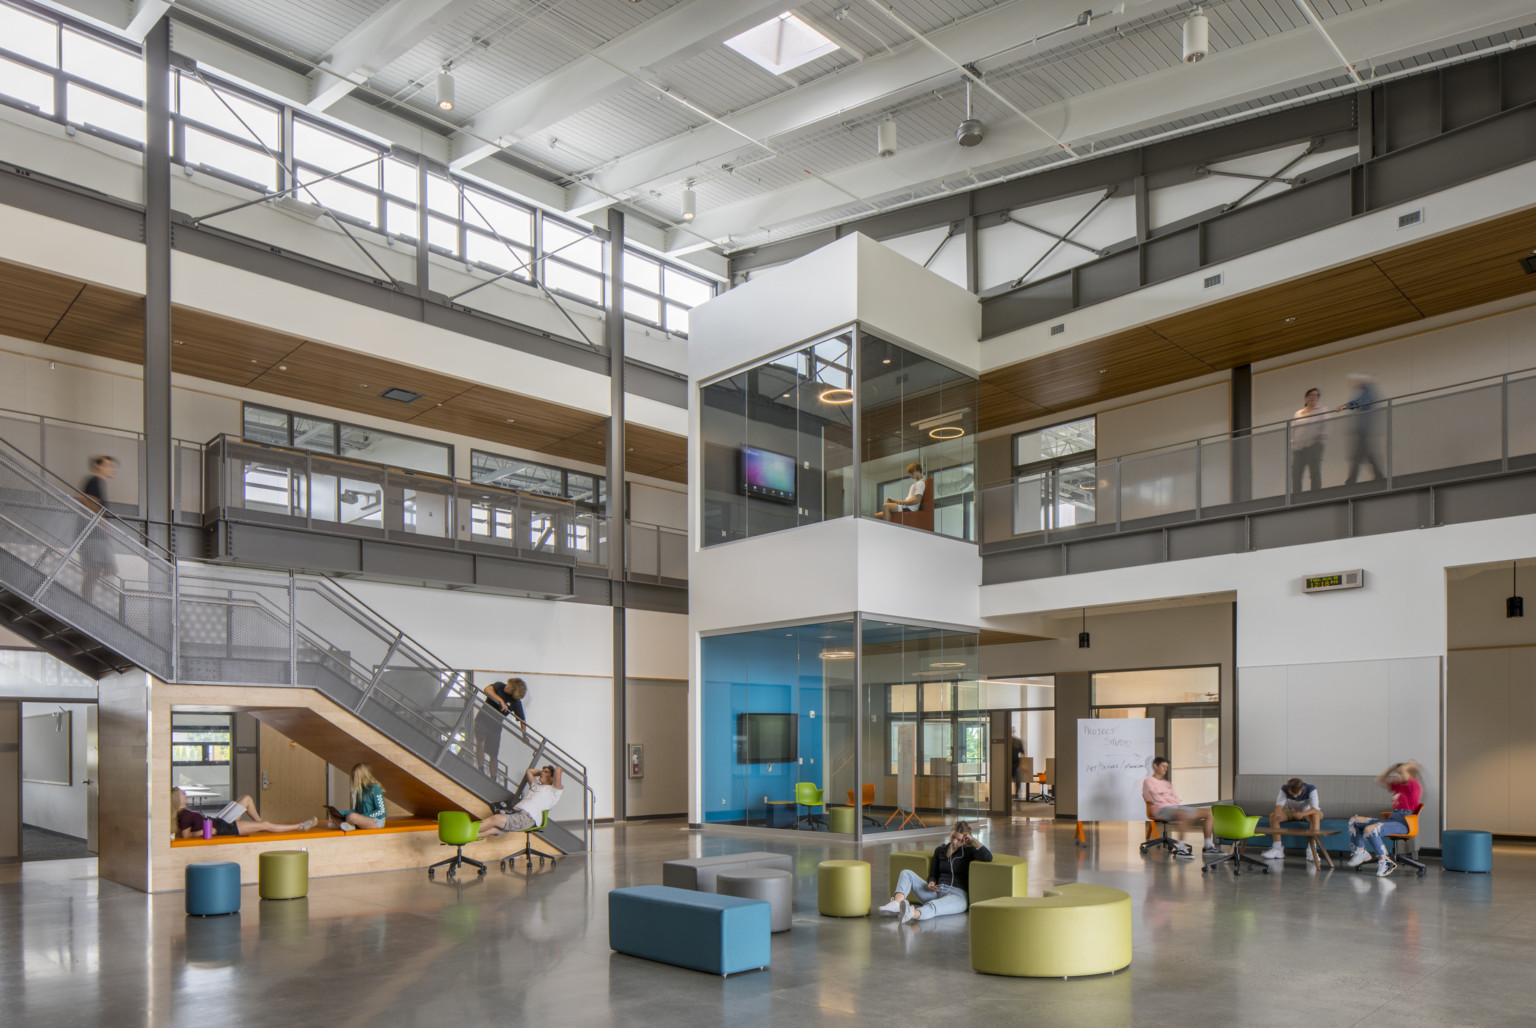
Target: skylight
pixel 782 43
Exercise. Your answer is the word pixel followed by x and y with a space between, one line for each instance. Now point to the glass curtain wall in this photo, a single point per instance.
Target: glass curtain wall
pixel 925 745
pixel 776 443
pixel 915 410
pixel 779 722
pixel 1185 707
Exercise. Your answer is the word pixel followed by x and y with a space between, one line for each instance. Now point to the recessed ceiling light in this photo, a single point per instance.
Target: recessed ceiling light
pixel 1290 320
pixel 781 44
pixel 511 420
pixel 886 361
pixel 1103 371
pixel 282 367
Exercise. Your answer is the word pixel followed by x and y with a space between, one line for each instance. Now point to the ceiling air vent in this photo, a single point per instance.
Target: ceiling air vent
pixel 1212 281
pixel 1529 263
pixel 1411 218
pixel 403 395
pixel 1057 330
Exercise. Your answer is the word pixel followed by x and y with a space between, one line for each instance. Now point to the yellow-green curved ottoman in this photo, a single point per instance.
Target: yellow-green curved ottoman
pixel 282 874
pixel 842 888
pixel 915 861
pixel 1002 876
pixel 1071 930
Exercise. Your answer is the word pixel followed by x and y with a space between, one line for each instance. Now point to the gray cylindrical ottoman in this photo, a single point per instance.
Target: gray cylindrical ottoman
pixel 775 887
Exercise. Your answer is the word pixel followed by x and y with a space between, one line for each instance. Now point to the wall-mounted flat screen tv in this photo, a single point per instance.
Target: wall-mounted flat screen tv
pixel 766 738
pixel 767 475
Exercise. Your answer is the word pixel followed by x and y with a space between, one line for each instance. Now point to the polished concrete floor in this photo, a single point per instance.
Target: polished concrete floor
pixel 1294 947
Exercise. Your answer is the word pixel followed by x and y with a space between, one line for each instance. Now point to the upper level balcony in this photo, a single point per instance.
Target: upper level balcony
pixel 1460 453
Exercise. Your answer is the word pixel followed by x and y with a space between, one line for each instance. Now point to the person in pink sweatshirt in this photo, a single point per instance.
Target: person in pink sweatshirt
pixel 1165 804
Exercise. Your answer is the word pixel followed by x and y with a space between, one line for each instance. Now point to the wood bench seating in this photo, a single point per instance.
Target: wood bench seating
pixel 392 826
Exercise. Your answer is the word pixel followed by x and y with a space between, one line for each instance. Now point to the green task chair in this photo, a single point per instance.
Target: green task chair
pixel 454 828
pixel 528 852
pixel 808 794
pixel 1230 823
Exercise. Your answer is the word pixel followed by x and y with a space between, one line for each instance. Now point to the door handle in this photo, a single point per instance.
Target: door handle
pixel 88 781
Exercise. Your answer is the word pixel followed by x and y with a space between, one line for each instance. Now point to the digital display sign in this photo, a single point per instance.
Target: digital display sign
pixel 1332 580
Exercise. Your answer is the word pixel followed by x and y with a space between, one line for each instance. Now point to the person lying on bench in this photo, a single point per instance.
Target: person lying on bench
pixel 189 823
pixel 949 876
pixel 1157 790
pixel 1297 801
pixel 543 792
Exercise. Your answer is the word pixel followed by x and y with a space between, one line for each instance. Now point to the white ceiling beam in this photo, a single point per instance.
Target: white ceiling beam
pixel 882 80
pixel 375 44
pixel 610 68
pixel 145 14
pixel 1382 32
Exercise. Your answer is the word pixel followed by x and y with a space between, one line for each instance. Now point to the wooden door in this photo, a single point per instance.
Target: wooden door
pixel 292 779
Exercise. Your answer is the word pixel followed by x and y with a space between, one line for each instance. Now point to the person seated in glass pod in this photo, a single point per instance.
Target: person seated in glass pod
pixel 914 498
pixel 949 876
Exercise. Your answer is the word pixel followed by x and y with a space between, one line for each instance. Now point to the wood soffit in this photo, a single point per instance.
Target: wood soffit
pixel 88 318
pixel 1445 273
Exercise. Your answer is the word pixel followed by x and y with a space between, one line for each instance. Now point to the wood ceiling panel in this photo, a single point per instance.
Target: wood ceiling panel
pixel 999 407
pixel 1116 365
pixel 1467 267
pixel 482 412
pixel 35 300
pixel 345 378
pixel 1330 305
pixel 590 447
pixel 105 322
pixel 652 450
pixel 223 350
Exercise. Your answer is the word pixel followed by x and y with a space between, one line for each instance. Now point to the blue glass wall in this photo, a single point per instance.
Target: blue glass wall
pixel 799 671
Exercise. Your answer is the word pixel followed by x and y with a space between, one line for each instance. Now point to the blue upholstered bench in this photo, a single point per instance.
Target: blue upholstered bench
pixel 700 930
pixel 1333 843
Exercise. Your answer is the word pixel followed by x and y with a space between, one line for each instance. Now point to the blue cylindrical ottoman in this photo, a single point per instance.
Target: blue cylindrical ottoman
pixel 213 888
pixel 1466 851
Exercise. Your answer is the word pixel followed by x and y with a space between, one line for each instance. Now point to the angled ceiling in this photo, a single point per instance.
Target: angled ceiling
pixel 95 319
pixel 603 102
pixel 1445 273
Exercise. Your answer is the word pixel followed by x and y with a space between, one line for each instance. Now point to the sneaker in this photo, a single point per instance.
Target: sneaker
pixel 1358 857
pixel 348 826
pixel 1183 851
pixel 894 906
pixel 1211 847
pixel 911 912
pixel 1385 866
pixel 308 823
pixel 1276 853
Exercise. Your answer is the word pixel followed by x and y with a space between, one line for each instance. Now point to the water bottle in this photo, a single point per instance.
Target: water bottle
pixel 207 827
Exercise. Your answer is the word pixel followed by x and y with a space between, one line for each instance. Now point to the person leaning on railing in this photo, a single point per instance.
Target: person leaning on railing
pixel 501 699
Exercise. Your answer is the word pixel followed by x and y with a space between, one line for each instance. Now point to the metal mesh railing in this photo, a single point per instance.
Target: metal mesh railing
pixel 1480 427
pixel 193 622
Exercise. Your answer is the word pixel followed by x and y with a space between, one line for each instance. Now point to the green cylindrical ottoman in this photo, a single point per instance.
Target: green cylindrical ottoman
pixel 916 861
pixel 842 820
pixel 283 874
pixel 842 888
pixel 1071 930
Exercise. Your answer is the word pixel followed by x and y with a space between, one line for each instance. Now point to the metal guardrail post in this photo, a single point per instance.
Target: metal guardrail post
pixel 175 621
pixel 293 629
pixel 1199 464
pixel 378 674
pixel 1503 422
pixel 1290 462
pixel 1391 442
pixel 1119 491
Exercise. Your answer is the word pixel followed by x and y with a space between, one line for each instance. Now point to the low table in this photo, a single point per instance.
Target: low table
pixel 1313 837
pixel 780 814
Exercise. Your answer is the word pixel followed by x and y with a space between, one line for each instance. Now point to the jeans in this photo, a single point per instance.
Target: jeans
pixel 1375 842
pixel 948 900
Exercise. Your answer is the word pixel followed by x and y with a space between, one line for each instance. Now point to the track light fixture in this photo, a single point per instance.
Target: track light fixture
pixel 971 130
pixel 445 89
pixel 885 137
pixel 1197 37
pixel 690 202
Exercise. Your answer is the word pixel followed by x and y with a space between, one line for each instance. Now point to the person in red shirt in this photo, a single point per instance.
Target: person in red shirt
pixel 1405 780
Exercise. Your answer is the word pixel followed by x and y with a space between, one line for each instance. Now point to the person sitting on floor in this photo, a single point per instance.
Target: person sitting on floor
pixel 544 788
pixel 949 874
pixel 1366 833
pixel 189 823
pixel 1165 805
pixel 1297 801
pixel 367 797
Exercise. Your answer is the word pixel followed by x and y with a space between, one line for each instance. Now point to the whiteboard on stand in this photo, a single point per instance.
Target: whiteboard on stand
pixel 906 767
pixel 1113 756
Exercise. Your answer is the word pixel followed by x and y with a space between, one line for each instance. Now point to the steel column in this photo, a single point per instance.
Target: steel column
pixel 613 336
pixel 157 284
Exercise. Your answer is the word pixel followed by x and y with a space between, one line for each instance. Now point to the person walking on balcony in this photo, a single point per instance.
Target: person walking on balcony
pixel 367 800
pixel 1366 427
pixel 1309 430
pixel 545 786
pixel 97 559
pixel 501 699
